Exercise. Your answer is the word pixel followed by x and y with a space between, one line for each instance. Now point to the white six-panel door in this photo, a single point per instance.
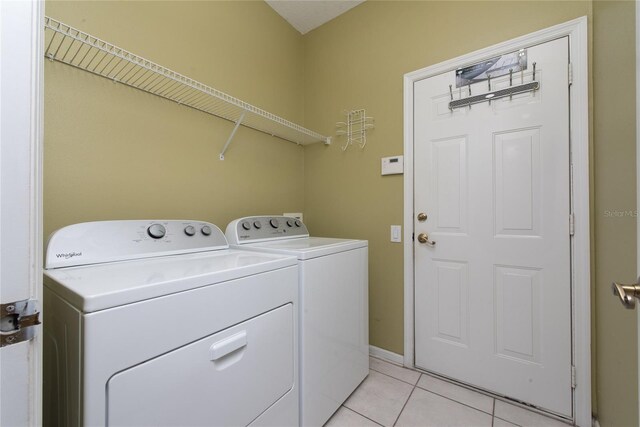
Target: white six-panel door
pixel 493 294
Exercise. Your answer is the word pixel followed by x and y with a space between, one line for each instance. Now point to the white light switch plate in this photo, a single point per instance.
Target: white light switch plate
pixel 392 165
pixel 396 233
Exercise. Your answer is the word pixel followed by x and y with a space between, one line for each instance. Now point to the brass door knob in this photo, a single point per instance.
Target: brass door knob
pixel 424 238
pixel 626 293
pixel 422 217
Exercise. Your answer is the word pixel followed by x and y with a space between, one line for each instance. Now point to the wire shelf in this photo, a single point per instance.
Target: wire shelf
pixel 86 52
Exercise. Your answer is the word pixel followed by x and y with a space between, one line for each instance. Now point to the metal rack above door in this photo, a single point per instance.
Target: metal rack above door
pixel 86 52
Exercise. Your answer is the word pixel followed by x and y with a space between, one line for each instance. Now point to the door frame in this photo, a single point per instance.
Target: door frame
pixel 576 30
pixel 22 86
pixel 638 178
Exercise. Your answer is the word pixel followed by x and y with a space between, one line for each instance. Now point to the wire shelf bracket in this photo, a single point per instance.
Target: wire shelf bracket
pixel 78 49
pixel 233 132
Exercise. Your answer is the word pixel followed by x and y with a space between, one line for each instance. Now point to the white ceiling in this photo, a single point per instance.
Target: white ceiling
pixel 305 15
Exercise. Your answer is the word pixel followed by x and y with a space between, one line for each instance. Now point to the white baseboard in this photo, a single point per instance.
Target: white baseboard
pixel 595 422
pixel 387 355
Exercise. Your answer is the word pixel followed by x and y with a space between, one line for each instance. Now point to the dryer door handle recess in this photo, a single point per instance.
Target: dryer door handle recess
pixel 228 345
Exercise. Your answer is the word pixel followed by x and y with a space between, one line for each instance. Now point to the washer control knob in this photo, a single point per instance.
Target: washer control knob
pixel 157 231
pixel 290 222
pixel 257 224
pixel 246 225
pixel 206 230
pixel 189 230
pixel 298 223
pixel 274 223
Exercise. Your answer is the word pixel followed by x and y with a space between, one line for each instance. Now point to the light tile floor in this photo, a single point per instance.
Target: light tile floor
pixel 395 396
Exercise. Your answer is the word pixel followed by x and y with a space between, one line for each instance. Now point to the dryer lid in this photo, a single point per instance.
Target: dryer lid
pixel 96 287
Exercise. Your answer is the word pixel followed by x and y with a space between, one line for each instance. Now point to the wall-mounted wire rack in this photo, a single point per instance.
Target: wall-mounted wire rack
pixel 355 128
pixel 86 52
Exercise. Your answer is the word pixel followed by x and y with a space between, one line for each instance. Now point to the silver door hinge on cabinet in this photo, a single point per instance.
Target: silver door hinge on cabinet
pixel 573 377
pixel 570 74
pixel 17 320
pixel 572 226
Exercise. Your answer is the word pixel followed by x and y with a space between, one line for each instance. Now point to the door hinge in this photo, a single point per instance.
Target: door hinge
pixel 16 321
pixel 573 377
pixel 572 224
pixel 570 73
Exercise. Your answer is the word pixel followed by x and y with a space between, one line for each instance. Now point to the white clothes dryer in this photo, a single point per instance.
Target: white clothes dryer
pixel 334 313
pixel 159 323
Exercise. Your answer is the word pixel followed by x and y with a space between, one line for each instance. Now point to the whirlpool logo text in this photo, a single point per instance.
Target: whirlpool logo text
pixel 69 255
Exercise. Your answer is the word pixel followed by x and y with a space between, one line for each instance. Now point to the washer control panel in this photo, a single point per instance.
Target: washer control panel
pixel 107 241
pixel 261 228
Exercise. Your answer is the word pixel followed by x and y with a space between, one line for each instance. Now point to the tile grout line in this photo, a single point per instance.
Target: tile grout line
pixel 395 378
pixel 496 398
pixel 405 403
pixel 435 376
pixel 493 413
pixel 516 424
pixel 456 401
pixel 438 394
pixel 362 415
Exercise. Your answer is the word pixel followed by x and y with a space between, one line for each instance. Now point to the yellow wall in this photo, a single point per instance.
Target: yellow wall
pixel 358 61
pixel 112 152
pixel 614 117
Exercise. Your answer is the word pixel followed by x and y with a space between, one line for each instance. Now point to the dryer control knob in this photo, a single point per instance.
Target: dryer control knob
pixel 298 223
pixel 246 225
pixel 206 230
pixel 189 230
pixel 257 224
pixel 290 222
pixel 157 231
pixel 274 223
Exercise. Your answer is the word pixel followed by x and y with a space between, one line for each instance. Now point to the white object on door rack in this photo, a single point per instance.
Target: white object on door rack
pixel 355 128
pixel 86 52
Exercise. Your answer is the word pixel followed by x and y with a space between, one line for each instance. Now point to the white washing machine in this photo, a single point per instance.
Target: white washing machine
pixel 158 323
pixel 334 328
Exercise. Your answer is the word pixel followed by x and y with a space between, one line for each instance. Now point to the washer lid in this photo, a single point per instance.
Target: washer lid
pixel 307 247
pixel 96 287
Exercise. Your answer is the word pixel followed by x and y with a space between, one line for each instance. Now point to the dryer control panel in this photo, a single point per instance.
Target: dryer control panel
pixel 108 241
pixel 253 229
